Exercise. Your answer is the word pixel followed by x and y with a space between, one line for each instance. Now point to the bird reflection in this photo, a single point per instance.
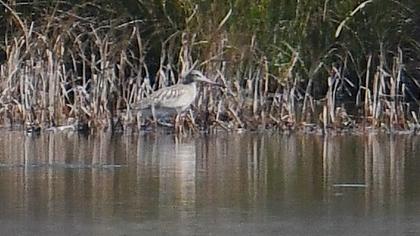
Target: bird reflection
pixel 175 163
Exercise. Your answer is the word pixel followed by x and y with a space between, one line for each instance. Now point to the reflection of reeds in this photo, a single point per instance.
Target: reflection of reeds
pixel 384 169
pixel 381 160
pixel 251 172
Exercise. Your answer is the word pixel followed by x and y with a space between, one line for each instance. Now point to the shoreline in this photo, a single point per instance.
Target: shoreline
pixel 305 129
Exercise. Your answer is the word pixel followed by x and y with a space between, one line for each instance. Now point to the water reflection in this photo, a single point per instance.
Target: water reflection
pixel 163 184
pixel 376 162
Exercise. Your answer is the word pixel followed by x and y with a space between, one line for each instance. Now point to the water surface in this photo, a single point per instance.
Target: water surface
pixel 224 184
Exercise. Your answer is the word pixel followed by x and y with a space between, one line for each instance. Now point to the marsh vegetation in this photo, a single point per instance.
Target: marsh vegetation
pixel 307 65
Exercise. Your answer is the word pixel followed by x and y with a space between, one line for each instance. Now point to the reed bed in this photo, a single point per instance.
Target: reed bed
pixel 72 69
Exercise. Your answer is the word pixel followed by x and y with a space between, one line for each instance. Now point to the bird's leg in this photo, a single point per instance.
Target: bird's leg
pixel 139 120
pixel 154 115
pixel 177 122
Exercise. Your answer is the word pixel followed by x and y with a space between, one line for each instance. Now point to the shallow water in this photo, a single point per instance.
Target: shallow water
pixel 225 184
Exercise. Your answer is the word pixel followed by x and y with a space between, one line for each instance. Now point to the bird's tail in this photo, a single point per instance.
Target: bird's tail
pixel 145 103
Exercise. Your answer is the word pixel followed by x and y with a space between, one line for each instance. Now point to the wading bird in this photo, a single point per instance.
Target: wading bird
pixel 174 98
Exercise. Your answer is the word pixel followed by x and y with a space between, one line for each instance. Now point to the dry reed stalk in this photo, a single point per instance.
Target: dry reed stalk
pixel 219 110
pixel 330 106
pixel 376 102
pixel 393 96
pixel 52 82
pixel 236 116
pixel 308 96
pixel 399 110
pixel 292 88
pixel 325 118
pixel 255 85
pixel 368 102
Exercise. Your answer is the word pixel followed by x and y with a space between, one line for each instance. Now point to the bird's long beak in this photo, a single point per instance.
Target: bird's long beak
pixel 206 80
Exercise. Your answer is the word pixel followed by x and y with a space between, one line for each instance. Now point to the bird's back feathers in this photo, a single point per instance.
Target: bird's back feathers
pixel 178 97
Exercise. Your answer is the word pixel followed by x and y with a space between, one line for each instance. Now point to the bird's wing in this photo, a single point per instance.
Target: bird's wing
pixel 160 97
pixel 165 95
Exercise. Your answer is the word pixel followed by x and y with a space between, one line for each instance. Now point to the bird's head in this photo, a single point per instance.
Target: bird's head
pixel 196 76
